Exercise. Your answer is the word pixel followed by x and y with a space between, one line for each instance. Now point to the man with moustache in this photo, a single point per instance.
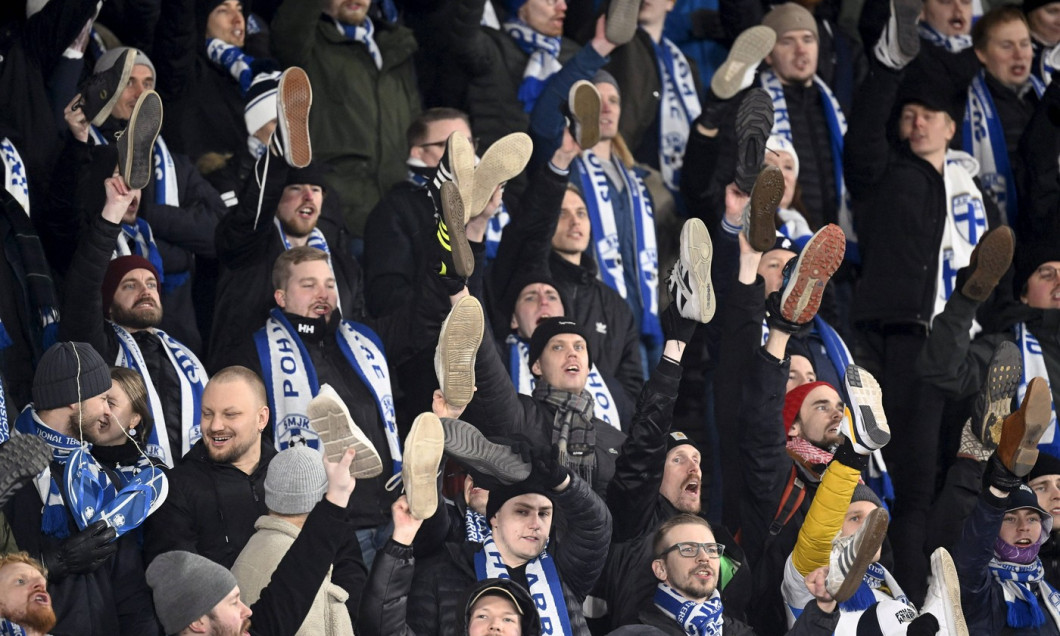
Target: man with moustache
pixel 24 600
pixel 121 320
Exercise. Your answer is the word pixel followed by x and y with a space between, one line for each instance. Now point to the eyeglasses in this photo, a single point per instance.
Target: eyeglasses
pixel 690 549
pixel 441 144
pixel 1048 273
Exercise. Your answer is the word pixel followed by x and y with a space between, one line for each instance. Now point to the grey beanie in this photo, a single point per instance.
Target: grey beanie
pixel 108 59
pixel 69 373
pixel 295 481
pixel 185 587
pixel 603 77
pixel 864 493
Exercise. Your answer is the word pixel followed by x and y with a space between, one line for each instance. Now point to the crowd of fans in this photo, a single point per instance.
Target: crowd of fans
pixel 520 317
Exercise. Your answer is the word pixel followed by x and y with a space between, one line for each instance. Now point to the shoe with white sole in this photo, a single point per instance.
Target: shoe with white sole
pixel 867 426
pixel 421 461
pixel 331 420
pixel 689 282
pixel 852 555
pixel 458 343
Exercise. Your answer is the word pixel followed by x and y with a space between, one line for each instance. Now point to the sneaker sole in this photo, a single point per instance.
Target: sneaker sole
pixel 750 48
pixel 419 472
pixel 453 233
pixel 108 106
pixel 467 445
pixel 621 22
pixel 22 457
pixel 136 145
pixel 872 537
pixel 754 123
pixel 943 567
pixel 332 422
pixel 696 254
pixel 994 401
pixel 993 256
pixel 503 161
pixel 295 97
pixel 760 225
pixel 817 263
pixel 462 170
pixel 906 14
pixel 584 104
pixel 458 346
pixel 1036 413
pixel 866 400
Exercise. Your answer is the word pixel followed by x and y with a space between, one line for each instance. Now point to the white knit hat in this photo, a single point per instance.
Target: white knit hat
pixel 776 143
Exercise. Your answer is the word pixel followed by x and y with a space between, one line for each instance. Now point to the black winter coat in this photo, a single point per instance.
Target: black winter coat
pixel 812 622
pixel 900 208
pixel 211 508
pixel 577 548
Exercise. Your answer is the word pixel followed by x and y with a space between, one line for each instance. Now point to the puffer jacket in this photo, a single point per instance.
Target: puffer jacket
pixel 385 602
pixel 361 112
pixel 578 550
pixel 257 562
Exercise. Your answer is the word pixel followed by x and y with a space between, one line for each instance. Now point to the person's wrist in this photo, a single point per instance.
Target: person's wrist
pixel 403 535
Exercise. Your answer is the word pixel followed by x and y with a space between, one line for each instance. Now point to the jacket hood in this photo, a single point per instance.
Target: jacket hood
pixel 530 621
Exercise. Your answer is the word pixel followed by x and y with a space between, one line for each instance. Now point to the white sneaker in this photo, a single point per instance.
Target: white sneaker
pixel 331 420
pixel 943 599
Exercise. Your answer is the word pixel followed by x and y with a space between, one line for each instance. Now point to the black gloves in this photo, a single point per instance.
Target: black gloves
pixel 675 326
pixel 81 553
pixel 546 469
pixel 999 476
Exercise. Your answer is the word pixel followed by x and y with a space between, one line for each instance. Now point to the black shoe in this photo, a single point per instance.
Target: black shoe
pixel 993 403
pixel 467 445
pixel 100 92
pixel 136 143
pixel 754 122
pixel 457 257
pixel 21 458
pixel 759 217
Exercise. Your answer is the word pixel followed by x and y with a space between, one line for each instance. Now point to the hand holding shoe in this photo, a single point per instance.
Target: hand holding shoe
pixel 547 470
pixel 81 553
pixel 999 476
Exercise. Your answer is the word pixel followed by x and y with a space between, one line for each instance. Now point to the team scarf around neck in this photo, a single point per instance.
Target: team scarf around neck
pixel 678 108
pixel 598 194
pixel 543 63
pixel 476 526
pixel 166 192
pixel 232 59
pixel 1018 583
pixel 193 378
pixel 876 578
pixel 519 368
pixel 1048 61
pixel 573 431
pixel 316 239
pixel 291 379
pixel 1034 367
pixel 965 223
pixel 138 238
pixel 365 34
pixel 837 127
pixel 695 619
pixel 7 628
pixel 541 577
pixel 952 43
pixel 984 138
pixel 84 490
pixel 14 173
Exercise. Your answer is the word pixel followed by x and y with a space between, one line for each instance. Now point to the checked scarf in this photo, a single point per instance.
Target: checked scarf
pixel 573 430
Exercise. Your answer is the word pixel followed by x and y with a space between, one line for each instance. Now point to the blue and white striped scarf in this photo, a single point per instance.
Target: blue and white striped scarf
pixel 545 586
pixel 678 108
pixel 7 628
pixel 837 127
pixel 1018 583
pixel 876 577
pixel 952 43
pixel 695 619
pixel 14 173
pixel 476 527
pixel 231 58
pixel 543 63
pixel 1034 366
pixel 365 34
pixel 984 138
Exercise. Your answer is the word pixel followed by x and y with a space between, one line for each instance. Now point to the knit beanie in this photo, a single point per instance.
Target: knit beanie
pixel 107 60
pixel 260 102
pixel 677 438
pixel 313 174
pixel 504 492
pixel 1031 5
pixel 1029 257
pixel 864 493
pixel 69 373
pixel 550 328
pixel 203 9
pixel 295 481
pixel 117 269
pixel 520 281
pixel 794 399
pixel 603 77
pixel 776 143
pixel 790 17
pixel 185 587
pixel 1046 465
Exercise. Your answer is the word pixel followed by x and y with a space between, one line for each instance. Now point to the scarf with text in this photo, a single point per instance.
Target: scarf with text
pixel 695 619
pixel 476 526
pixel 543 63
pixel 678 108
pixel 876 578
pixel 291 379
pixel 193 379
pixel 14 173
pixel 1034 367
pixel 1019 582
pixel 542 578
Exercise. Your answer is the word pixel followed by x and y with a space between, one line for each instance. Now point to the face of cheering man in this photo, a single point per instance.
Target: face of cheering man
pixel 24 598
pixel 226 23
pixel 1047 488
pixel 948 17
pixel 521 527
pixel 682 478
pixel 310 291
pixel 929 131
pixel 573 230
pixel 141 79
pixel 564 364
pixel 610 110
pixel 299 209
pixel 536 302
pixel 1021 527
pixel 696 577
pixel 800 372
pixel 544 16
pixel 136 304
pixel 1043 287
pixel 1007 53
pixel 820 418
pixel 794 57
pixel 234 413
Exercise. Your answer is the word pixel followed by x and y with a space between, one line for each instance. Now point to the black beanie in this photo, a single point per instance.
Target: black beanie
pixel 69 373
pixel 553 327
pixel 1046 465
pixel 1028 258
pixel 677 438
pixel 313 174
pixel 505 492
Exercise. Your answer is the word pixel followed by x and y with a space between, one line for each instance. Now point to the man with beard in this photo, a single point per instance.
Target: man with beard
pixel 24 599
pixel 686 598
pixel 121 323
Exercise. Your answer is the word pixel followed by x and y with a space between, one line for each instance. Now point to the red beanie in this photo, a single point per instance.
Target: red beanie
pixel 794 399
pixel 116 271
